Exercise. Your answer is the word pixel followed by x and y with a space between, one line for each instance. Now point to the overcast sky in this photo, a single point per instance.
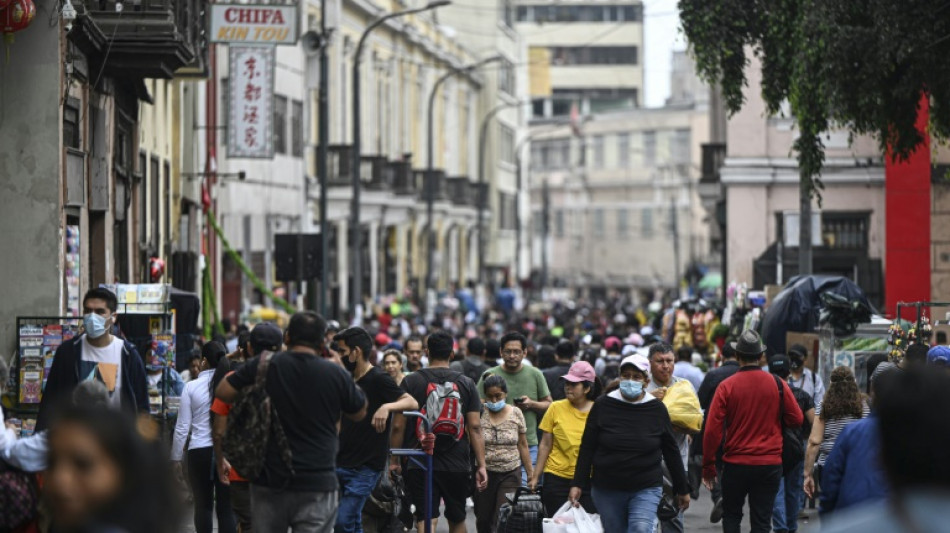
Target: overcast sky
pixel 661 35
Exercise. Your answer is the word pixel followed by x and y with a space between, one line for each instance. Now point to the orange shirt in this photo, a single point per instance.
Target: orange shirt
pixel 222 409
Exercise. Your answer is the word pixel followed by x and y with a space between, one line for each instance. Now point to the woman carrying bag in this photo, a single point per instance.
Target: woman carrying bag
pixel 506 451
pixel 563 426
pixel 627 435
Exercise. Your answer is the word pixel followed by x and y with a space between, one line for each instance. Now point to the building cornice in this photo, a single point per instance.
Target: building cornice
pixel 784 171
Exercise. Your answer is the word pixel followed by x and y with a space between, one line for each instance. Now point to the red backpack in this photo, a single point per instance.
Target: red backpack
pixel 443 409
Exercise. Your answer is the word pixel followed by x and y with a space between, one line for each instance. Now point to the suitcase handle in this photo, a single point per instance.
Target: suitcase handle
pixel 524 490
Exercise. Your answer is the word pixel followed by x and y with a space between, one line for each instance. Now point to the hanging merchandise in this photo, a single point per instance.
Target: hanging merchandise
pixel 156 268
pixel 15 17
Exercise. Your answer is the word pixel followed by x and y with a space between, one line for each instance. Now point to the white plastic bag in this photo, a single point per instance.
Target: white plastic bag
pixel 570 519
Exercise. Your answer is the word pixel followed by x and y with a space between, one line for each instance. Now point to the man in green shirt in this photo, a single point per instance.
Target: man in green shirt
pixel 527 388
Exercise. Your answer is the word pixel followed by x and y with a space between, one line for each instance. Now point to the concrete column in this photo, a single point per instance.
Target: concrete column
pixel 343 261
pixel 374 259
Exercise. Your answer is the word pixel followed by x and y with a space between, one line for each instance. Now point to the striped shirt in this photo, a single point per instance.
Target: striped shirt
pixel 833 428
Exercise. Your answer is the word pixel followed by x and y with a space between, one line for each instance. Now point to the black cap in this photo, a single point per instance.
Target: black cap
pixel 780 364
pixel 266 336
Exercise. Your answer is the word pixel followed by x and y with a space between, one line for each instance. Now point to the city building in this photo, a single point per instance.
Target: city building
pixel 89 177
pixel 760 180
pixel 594 50
pixel 618 192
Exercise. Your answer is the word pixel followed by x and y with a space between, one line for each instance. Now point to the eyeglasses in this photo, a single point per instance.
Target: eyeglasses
pixel 512 352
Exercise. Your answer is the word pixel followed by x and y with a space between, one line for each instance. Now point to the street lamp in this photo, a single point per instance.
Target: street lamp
pixel 430 165
pixel 482 196
pixel 356 235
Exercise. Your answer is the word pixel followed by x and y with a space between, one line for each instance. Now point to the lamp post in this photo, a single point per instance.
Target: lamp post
pixel 430 162
pixel 356 236
pixel 482 196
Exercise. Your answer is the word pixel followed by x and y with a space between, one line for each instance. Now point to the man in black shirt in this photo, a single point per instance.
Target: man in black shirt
pixel 473 365
pixel 564 352
pixel 309 395
pixel 451 464
pixel 364 445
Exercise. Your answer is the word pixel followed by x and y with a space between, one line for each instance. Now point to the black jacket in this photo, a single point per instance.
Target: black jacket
pixel 64 376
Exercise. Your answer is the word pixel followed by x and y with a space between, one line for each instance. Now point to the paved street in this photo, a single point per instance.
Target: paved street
pixel 697 519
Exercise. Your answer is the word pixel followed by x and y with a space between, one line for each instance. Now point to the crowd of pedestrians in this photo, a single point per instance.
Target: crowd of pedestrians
pixel 625 428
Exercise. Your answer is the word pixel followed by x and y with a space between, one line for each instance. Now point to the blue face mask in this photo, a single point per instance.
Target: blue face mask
pixel 95 325
pixel 631 389
pixel 495 406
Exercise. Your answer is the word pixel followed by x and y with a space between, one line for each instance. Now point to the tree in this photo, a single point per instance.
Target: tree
pixel 859 64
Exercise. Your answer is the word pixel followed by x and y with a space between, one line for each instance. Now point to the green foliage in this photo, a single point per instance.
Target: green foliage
pixel 859 64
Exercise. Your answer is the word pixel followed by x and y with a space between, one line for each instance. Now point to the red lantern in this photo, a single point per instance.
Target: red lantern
pixel 156 268
pixel 15 17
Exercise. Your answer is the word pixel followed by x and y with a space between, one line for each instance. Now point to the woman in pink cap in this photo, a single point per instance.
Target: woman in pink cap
pixel 563 426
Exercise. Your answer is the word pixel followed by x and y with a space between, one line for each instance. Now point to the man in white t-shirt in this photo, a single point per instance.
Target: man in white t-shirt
pixel 97 355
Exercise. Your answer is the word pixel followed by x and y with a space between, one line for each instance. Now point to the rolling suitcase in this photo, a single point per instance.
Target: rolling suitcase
pixel 523 513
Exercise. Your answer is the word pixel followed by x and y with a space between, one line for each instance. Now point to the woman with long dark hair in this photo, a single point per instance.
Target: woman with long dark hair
pixel 106 473
pixel 194 418
pixel 843 404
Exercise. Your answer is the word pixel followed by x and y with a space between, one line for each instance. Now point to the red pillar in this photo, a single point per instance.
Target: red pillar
pixel 907 217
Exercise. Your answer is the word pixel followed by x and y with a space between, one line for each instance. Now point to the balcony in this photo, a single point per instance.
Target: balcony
pixel 372 173
pixel 479 194
pixel 460 191
pixel 339 163
pixel 141 38
pixel 401 176
pixel 439 184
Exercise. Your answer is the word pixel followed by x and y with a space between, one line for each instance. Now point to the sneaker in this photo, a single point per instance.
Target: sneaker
pixel 716 515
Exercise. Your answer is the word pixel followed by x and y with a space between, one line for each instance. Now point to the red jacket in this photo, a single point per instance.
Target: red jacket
pixel 746 409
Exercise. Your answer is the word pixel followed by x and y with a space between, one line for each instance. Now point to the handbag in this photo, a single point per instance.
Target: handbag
pixel 793 452
pixel 523 513
pixel 19 497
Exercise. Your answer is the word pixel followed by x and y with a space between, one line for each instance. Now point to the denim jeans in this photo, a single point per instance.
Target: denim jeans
pixel 301 512
pixel 788 500
pixel 356 484
pixel 534 462
pixel 627 511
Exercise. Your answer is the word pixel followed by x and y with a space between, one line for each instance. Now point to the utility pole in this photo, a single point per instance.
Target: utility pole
pixel 676 246
pixel 323 135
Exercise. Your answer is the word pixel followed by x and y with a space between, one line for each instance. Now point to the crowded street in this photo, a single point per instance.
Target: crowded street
pixel 488 266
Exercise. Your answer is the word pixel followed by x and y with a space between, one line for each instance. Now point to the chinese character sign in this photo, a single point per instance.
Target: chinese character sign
pixel 250 102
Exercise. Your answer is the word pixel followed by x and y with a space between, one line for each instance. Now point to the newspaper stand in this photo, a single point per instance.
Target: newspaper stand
pixel 415 455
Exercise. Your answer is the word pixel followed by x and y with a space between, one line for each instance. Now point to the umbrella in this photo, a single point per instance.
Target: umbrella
pixel 711 281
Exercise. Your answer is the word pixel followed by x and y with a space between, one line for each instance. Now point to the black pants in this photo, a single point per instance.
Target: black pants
pixel 555 491
pixel 209 493
pixel 760 484
pixel 240 492
pixel 490 500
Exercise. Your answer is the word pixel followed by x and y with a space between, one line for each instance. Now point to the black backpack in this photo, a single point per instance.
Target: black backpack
pixel 252 422
pixel 793 451
pixel 523 513
pixel 611 367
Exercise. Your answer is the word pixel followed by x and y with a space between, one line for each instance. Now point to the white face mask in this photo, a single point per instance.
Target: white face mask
pixel 95 325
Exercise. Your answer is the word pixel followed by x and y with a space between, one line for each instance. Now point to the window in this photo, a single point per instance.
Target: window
pixel 550 154
pixel 649 148
pixel 598 149
pixel 623 150
pixel 280 124
pixel 679 146
pixel 559 223
pixel 506 77
pixel 598 222
pixel 154 216
pixel 507 14
pixel 506 144
pixel 296 128
pixel 594 55
pixel 141 191
pixel 646 222
pixel 845 231
pixel 224 118
pixel 580 13
pixel 71 135
pixel 622 224
pixel 506 206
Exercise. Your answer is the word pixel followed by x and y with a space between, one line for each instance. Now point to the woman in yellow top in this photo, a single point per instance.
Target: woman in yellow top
pixel 563 426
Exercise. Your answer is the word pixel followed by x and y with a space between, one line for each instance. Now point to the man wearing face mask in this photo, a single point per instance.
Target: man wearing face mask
pixel 97 355
pixel 364 444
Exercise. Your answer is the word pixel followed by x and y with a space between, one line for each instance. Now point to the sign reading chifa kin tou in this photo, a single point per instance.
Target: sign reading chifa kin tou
pixel 251 102
pixel 253 24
